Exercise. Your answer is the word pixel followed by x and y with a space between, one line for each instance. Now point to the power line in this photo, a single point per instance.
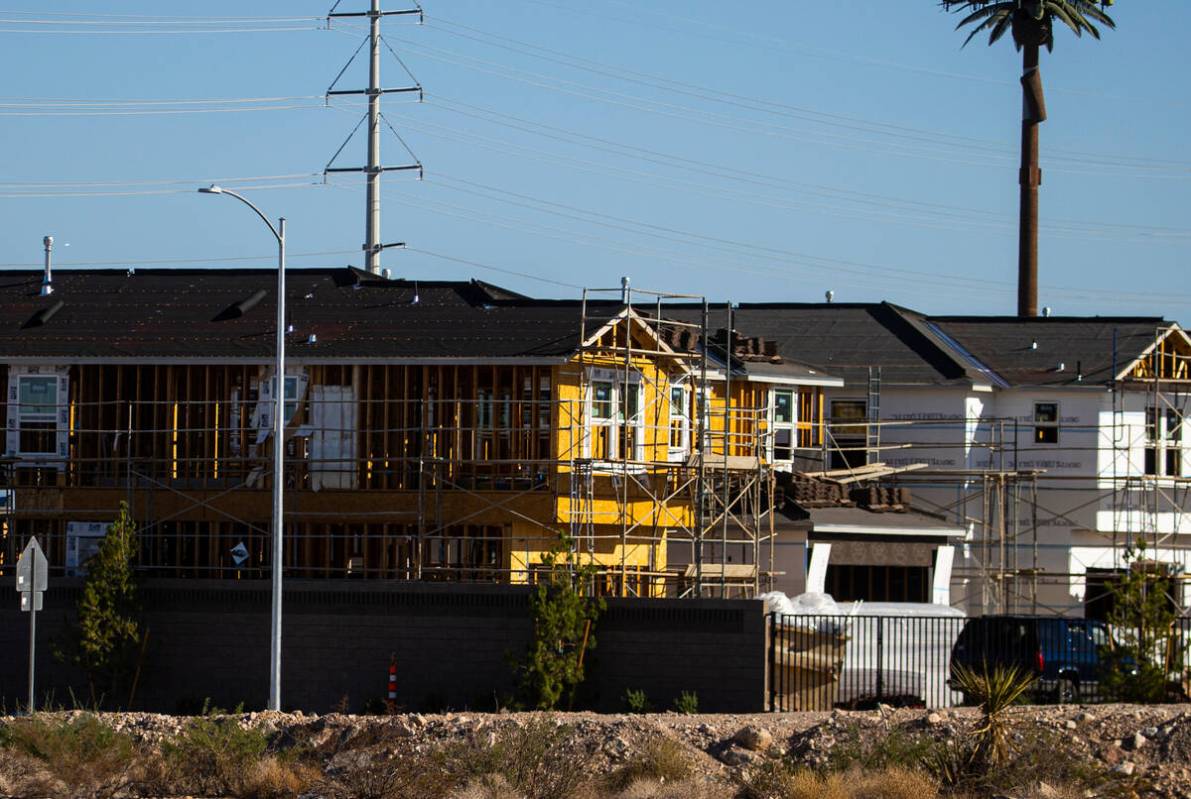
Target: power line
pixel 489 267
pixel 873 207
pixel 157 182
pixel 20 195
pixel 150 261
pixel 775 130
pixel 160 17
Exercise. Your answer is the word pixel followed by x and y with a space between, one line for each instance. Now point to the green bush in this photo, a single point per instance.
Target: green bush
pixel 1147 654
pixel 636 701
pixel 687 703
pixel 213 754
pixel 109 637
pixel 564 613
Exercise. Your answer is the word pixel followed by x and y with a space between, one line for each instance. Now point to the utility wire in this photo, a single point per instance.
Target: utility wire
pixel 148 261
pixel 872 207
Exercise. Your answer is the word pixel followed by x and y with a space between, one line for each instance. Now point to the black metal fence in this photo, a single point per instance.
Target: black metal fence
pixel 824 662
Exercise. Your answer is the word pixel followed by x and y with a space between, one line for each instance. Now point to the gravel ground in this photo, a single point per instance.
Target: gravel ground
pixel 1152 743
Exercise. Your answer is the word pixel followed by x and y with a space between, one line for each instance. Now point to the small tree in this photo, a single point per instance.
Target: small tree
pixel 1146 650
pixel 109 631
pixel 564 612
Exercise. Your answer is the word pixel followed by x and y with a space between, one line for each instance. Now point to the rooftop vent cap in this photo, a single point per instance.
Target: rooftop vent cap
pixel 1046 311
pixel 1034 344
pixel 312 339
pixel 830 295
pixel 387 274
pixel 47 279
pixel 1061 367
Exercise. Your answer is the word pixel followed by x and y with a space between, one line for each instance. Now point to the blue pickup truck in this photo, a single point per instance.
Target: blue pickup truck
pixel 1064 654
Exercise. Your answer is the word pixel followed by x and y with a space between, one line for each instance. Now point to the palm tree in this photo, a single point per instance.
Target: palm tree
pixel 1032 23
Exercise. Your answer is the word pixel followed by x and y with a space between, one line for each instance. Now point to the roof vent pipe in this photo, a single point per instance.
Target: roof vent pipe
pixel 624 290
pixel 1046 311
pixel 47 280
pixel 830 295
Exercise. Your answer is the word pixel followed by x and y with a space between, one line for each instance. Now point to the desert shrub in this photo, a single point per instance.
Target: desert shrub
pixel 212 755
pixel 777 779
pixel 636 701
pixel 367 777
pixel 274 777
pixel 688 789
pixel 661 759
pixel 856 749
pixel 533 759
pixel 687 702
pixel 80 753
pixel 1043 756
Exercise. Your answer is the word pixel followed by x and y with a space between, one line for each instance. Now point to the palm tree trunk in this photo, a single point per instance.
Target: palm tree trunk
pixel 1030 177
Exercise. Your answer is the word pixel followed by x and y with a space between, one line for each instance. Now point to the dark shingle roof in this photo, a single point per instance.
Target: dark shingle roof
pixel 189 313
pixel 845 339
pixel 1086 346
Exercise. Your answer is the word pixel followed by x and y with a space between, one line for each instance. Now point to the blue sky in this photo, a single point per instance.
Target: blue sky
pixel 769 151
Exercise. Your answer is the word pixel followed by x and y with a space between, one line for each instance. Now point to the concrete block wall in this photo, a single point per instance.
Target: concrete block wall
pixel 454 645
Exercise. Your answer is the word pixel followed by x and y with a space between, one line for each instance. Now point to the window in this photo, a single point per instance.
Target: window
pixel 616 429
pixel 632 439
pixel 601 399
pixel 784 421
pixel 483 409
pixel 1046 423
pixel 291 395
pixel 680 423
pixel 38 414
pixel 1164 442
pixel 878 583
pixel 848 428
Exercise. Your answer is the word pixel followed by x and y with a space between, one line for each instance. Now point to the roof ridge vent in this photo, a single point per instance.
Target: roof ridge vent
pixel 238 309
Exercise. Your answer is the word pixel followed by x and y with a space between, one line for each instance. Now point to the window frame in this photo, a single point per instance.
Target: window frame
pixel 680 420
pixel 1163 443
pixel 790 426
pixel 859 435
pixel 37 417
pixel 1040 426
pixel 617 417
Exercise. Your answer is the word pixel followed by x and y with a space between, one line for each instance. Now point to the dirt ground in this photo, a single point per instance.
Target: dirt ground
pixel 1151 742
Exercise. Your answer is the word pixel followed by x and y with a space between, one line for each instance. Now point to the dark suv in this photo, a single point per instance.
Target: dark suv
pixel 1064 654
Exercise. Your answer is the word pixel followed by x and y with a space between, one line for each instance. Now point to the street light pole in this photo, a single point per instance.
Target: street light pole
pixel 278 525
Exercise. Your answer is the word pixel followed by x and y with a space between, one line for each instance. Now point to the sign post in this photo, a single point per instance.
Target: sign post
pixel 33 571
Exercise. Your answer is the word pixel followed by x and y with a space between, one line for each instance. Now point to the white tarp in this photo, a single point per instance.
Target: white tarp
pixel 895 650
pixel 332 437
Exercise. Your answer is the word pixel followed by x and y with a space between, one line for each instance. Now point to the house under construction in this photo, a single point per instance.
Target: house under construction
pixel 434 430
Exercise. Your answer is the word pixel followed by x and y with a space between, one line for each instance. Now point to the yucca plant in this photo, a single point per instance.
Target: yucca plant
pixel 995 690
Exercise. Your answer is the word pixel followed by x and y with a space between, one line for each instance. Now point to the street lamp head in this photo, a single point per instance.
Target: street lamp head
pixel 212 189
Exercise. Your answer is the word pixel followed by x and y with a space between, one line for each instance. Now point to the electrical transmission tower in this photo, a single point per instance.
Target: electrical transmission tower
pixel 374 117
